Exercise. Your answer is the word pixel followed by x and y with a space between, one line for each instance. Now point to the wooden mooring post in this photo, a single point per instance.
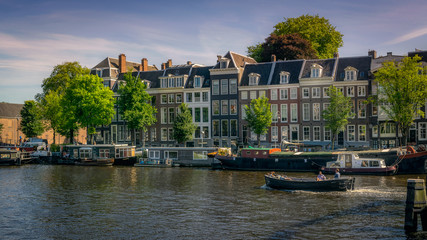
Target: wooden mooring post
pixel 415 205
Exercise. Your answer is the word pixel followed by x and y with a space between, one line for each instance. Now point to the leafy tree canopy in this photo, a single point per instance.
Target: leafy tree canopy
pixel 31 123
pixel 259 116
pixel 402 91
pixel 62 75
pixel 183 126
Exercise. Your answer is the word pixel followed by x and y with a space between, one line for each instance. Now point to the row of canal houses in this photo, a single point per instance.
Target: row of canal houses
pixel 217 95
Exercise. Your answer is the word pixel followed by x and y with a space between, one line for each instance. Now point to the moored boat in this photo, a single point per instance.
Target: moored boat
pixel 351 163
pixel 96 155
pixel 286 183
pixel 10 157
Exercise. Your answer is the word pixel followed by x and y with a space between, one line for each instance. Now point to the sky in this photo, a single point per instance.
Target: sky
pixel 35 36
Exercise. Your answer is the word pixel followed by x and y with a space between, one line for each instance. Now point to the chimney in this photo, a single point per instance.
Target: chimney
pixel 389 54
pixel 169 63
pixel 273 57
pixel 163 66
pixel 144 65
pixel 189 62
pixel 336 55
pixel 372 53
pixel 218 57
pixel 122 63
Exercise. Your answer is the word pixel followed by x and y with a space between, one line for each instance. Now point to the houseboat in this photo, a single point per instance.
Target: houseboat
pixel 179 156
pixel 351 163
pixel 97 155
pixel 10 157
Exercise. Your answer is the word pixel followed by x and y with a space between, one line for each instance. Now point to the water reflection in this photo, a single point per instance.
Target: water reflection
pixel 76 202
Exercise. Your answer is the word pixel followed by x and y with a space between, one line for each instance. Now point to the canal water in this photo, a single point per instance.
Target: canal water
pixel 76 202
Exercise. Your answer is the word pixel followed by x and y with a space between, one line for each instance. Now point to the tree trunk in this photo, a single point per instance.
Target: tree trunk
pixel 71 136
pixel 333 141
pixel 259 140
pixel 54 136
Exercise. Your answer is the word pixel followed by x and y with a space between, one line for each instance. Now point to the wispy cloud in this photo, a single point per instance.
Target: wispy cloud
pixel 409 36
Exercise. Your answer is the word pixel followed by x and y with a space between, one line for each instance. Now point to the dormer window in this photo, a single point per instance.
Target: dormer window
pixel 164 83
pixel 316 71
pixel 99 72
pixel 284 77
pixel 197 81
pixel 171 81
pixel 179 81
pixel 254 79
pixel 146 83
pixel 350 73
pixel 223 63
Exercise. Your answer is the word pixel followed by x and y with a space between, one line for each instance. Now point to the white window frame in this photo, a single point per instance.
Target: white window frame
pixel 315 92
pixel 305 93
pixel 294 93
pixel 351 133
pixel 361 91
pixel 294 112
pixel 215 87
pixel 273 94
pixel 284 94
pixel 316 133
pixel 306 111
pixel 254 79
pixel 305 130
pixel 362 133
pixel 284 112
pixel 316 111
pixel 244 95
pixel 284 77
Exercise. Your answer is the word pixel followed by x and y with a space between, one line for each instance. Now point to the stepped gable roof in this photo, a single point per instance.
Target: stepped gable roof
pixel 362 64
pixel 293 67
pixel 263 69
pixel 199 71
pixel 10 110
pixel 236 60
pixel 327 65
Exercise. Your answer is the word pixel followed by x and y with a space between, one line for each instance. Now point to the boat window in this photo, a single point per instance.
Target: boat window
pixel 104 153
pixel 248 153
pixel 256 153
pixel 374 164
pixel 200 155
pixel 364 163
pixel 75 153
pixel 264 153
pixel 85 153
pixel 356 156
pixel 336 165
pixel 341 157
pixel 5 155
pixel 348 158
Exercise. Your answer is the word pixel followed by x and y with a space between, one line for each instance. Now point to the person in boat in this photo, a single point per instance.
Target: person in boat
pixel 337 174
pixel 321 177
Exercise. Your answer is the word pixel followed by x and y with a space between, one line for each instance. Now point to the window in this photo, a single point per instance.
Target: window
pixel 284 77
pixel 253 136
pixel 189 97
pixel 316 111
pixel 171 115
pixel 361 91
pixel 388 129
pixel 178 98
pixel 164 99
pixel 306 112
pixel 362 133
pixel 197 81
pixel 233 127
pixel 99 73
pixel 294 93
pixel 243 112
pixel 171 82
pixel 171 98
pixel 233 86
pixel 170 134
pixel 197 97
pixel 316 133
pixel 163 115
pixel 197 115
pixel 361 106
pixel 164 134
pixel 375 131
pixel 350 73
pixel 325 92
pixel 224 107
pixel 273 94
pixel 341 89
pixel 306 133
pixel 85 153
pixel 283 94
pixel 350 91
pixel 224 86
pixel 205 114
pixel 274 133
pixel 153 134
pixel 244 95
pixel 261 94
pixel 253 94
pixel 154 154
pixel 224 63
pixel 215 107
pixel 351 133
pixel 284 132
pixel 200 155
pixel 215 87
pixel 305 93
pixel 353 111
pixel 327 134
pixel 422 128
pixel 205 132
pixel 284 112
pixel 233 107
pixel 294 112
pixel 164 83
pixel 316 71
pixel 179 82
pixel 205 96
pixel 374 110
pixel 315 92
pixel 326 106
pixel 253 79
pixel 215 124
pixel 274 112
pixel 224 128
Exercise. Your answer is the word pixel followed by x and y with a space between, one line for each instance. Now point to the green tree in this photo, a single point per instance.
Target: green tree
pixel 323 37
pixel 135 105
pixel 289 47
pixel 183 126
pixel 402 91
pixel 88 103
pixel 337 114
pixel 31 123
pixel 259 116
pixel 59 80
pixel 1 128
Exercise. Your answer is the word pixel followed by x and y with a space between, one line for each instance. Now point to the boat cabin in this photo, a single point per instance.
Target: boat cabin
pixel 10 157
pixel 258 152
pixel 352 160
pixel 101 151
